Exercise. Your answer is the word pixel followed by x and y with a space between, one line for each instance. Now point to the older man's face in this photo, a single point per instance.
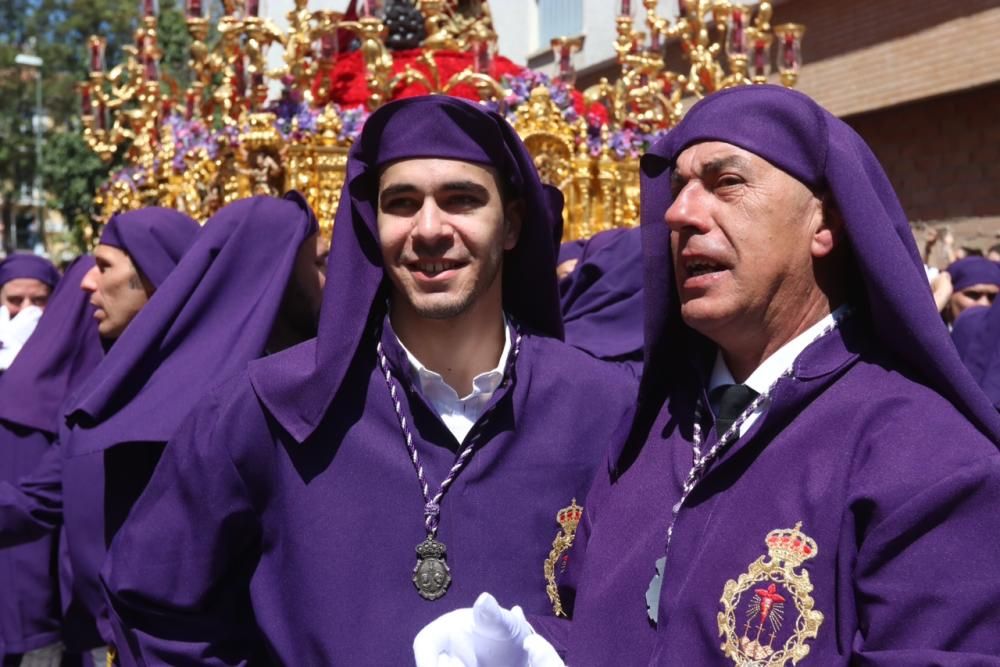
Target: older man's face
pixel 20 293
pixel 743 235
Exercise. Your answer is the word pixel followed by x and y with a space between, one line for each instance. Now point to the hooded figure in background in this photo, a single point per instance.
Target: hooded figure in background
pixel 812 471
pixel 251 265
pixel 977 336
pixel 136 252
pixel 338 495
pixel 64 349
pixel 25 284
pixel 601 298
pixel 968 282
pixel 26 280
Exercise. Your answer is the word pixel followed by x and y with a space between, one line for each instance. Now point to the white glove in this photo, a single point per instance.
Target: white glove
pixel 18 329
pixel 446 641
pixel 487 635
pixel 15 333
pixel 541 653
pixel 498 634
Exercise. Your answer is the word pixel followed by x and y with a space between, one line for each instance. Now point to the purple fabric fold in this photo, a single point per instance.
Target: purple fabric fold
pixel 297 395
pixel 155 238
pixel 602 299
pixel 25 265
pixel 62 351
pixel 35 506
pixel 571 250
pixel 212 315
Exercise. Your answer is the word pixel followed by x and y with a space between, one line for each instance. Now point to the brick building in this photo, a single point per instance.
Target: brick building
pixel 920 81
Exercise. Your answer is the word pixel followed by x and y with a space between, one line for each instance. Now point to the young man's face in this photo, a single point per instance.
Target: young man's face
pixel 23 292
pixel 443 229
pixel 117 290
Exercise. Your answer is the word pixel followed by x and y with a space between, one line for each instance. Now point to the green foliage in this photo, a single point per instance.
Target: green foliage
pixel 75 173
pixel 57 31
pixel 61 28
pixel 175 42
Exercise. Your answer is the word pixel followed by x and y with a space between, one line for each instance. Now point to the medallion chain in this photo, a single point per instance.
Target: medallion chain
pixel 701 463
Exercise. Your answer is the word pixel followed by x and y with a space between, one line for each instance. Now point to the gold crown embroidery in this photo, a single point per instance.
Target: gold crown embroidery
pixel 568 519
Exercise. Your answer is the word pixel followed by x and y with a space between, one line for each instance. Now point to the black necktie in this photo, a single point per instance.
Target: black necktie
pixel 732 399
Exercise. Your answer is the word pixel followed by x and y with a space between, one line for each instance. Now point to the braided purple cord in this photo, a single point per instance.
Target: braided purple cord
pixel 700 463
pixel 432 506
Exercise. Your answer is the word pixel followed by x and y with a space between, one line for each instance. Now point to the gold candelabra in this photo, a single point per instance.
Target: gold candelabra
pixel 135 107
pixel 706 30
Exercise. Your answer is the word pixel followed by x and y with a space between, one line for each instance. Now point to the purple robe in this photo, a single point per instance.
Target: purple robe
pixel 601 299
pixel 571 250
pixel 155 239
pixel 282 521
pixel 874 470
pixel 315 540
pixel 26 265
pixel 211 315
pixel 63 350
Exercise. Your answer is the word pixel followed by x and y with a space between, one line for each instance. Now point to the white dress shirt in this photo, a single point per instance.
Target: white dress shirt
pixel 771 368
pixel 459 414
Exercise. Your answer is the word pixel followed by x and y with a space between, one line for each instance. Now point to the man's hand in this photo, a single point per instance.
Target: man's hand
pixel 942 288
pixel 566 268
pixel 487 635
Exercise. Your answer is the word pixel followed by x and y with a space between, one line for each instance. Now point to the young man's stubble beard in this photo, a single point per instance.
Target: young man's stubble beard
pixel 494 267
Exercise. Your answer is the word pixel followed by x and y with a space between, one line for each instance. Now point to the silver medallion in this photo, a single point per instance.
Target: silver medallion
pixel 431 575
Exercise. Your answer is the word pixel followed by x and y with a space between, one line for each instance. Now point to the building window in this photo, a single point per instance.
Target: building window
pixel 558 18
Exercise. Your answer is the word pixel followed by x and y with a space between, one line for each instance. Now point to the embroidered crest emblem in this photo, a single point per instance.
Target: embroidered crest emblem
pixel 767 614
pixel 568 519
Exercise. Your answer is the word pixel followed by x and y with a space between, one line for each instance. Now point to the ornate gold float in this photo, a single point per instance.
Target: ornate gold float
pixel 221 138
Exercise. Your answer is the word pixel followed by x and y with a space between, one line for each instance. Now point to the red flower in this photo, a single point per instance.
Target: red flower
pixel 346 85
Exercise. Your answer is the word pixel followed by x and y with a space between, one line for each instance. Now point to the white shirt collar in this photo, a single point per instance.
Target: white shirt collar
pixel 487 381
pixel 771 368
pixel 459 414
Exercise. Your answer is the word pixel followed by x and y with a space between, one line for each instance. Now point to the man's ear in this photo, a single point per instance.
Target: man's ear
pixel 829 233
pixel 140 281
pixel 513 219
